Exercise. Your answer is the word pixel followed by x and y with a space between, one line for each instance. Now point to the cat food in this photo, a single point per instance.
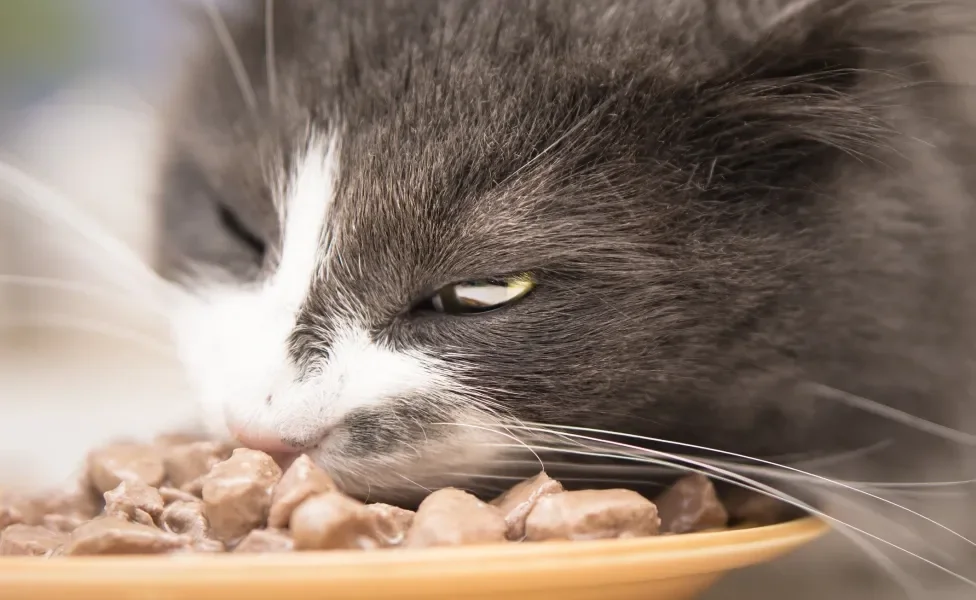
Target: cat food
pixel 186 463
pixel 745 506
pixel 592 514
pixel 266 541
pixel 451 517
pixel 691 505
pixel 302 480
pixel 30 540
pixel 115 535
pixel 518 502
pixel 185 494
pixel 237 494
pixel 333 521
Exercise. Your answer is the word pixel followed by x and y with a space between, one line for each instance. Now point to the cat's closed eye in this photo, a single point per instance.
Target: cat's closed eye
pixel 478 296
pixel 233 224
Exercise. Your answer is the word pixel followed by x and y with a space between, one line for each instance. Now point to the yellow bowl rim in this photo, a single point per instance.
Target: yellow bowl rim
pixel 673 549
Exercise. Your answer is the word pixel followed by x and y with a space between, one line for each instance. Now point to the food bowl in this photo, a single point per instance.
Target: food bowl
pixel 678 567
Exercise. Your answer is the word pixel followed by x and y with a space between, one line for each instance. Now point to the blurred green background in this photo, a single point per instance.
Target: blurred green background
pixel 41 42
pixel 40 32
pixel 45 45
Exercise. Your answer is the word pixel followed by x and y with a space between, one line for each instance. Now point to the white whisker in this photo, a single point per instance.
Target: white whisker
pixel 233 56
pixel 405 478
pixel 269 42
pixel 842 457
pixel 638 470
pixel 552 431
pixel 515 478
pixel 76 287
pixel 898 416
pixel 776 471
pixel 34 196
pixel 91 326
pixel 890 524
pixel 847 530
pixel 919 484
pixel 505 434
pixel 821 478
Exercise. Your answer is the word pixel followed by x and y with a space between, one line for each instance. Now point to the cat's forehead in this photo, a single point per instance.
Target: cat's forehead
pixel 449 150
pixel 460 124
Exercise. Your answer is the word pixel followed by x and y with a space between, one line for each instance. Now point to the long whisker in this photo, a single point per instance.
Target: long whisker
pixel 893 414
pixel 879 485
pixel 596 470
pixel 233 56
pixel 919 484
pixel 76 287
pixel 91 326
pixel 847 530
pixel 841 457
pixel 735 479
pixel 835 493
pixel 758 460
pixel 506 434
pixel 32 195
pixel 269 43
pixel 562 479
pixel 836 496
pixel 407 479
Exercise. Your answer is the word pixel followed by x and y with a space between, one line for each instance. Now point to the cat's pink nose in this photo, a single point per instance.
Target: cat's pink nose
pixel 264 441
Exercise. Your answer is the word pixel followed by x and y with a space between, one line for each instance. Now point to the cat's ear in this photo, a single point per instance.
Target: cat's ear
pixel 803 84
pixel 803 37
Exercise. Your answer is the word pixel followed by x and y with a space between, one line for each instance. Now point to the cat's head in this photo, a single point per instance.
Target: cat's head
pixel 407 224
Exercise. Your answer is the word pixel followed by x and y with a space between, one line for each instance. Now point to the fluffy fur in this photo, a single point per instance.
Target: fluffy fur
pixel 730 206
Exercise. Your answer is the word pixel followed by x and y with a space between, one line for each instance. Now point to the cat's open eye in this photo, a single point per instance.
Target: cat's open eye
pixel 480 295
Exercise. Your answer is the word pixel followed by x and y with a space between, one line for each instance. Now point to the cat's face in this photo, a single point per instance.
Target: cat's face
pixel 447 216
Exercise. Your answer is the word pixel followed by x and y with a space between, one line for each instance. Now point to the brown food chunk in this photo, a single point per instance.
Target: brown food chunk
pixel 747 506
pixel 186 518
pixel 263 541
pixel 143 518
pixel 691 505
pixel 165 440
pixel 134 500
pixel 397 521
pixel 110 466
pixel 518 502
pixel 113 535
pixel 29 540
pixel 302 480
pixel 332 521
pixel 76 504
pixel 10 515
pixel 80 503
pixel 187 462
pixel 195 487
pixel 592 514
pixel 171 495
pixel 451 517
pixel 237 494
pixel 62 523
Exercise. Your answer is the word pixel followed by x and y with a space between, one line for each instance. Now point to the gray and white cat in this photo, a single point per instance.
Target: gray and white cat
pixel 411 228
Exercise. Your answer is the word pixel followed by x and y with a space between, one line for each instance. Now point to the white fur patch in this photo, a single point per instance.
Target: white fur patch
pixel 233 339
pixel 359 373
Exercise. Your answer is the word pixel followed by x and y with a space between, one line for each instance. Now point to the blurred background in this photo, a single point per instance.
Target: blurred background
pixel 81 359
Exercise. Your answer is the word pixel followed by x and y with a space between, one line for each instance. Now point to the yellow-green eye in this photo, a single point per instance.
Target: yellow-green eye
pixel 481 295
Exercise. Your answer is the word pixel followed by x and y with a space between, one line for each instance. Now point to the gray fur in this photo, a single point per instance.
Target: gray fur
pixel 723 200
